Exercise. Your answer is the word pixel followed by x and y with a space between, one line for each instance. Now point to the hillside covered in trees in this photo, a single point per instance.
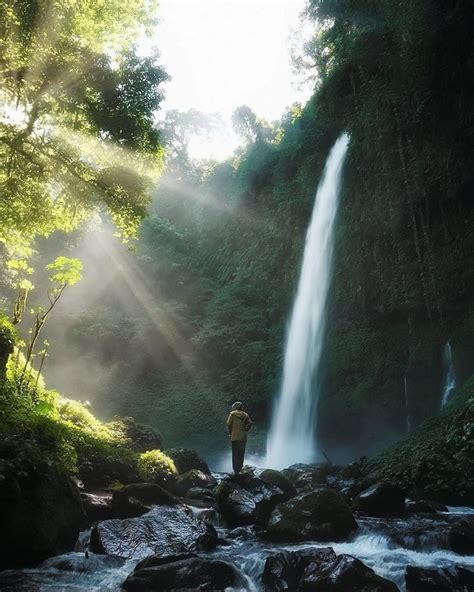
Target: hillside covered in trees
pixel 218 258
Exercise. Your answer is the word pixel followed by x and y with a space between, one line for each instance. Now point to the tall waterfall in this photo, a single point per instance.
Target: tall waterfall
pixel 407 408
pixel 291 438
pixel 450 380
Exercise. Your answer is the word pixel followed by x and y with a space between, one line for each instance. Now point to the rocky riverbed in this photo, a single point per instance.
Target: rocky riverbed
pixel 309 527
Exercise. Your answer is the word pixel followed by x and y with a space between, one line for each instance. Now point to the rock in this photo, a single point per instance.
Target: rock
pixel 448 579
pixel 97 470
pixel 186 459
pixel 277 478
pixel 41 515
pixel 244 499
pixel 200 494
pixel 139 436
pixel 381 499
pixel 321 515
pixel 302 475
pixel 283 571
pixel 97 506
pixel 189 573
pixel 138 498
pixel 193 478
pixel 424 507
pixel 165 530
pixel 321 570
pixel 343 574
pixel 461 536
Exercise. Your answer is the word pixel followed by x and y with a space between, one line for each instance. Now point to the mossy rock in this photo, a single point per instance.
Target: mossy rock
pixel 273 477
pixel 321 515
pixel 41 515
pixel 186 459
pixel 140 437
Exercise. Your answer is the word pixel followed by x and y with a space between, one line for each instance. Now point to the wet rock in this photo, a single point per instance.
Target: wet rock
pixel 193 478
pixel 200 494
pixel 165 530
pixel 283 571
pixel 302 475
pixel 190 573
pixel 321 515
pixel 244 499
pixel 138 498
pixel 461 536
pixel 272 477
pixel 343 574
pixel 97 506
pixel 186 459
pixel 321 570
pixel 242 532
pixel 424 507
pixel 381 499
pixel 449 579
pixel 41 515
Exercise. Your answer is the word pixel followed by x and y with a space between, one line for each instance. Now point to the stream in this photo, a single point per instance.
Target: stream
pixel 387 545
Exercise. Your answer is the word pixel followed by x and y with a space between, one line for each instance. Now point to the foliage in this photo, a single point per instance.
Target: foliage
pixel 155 466
pixel 77 131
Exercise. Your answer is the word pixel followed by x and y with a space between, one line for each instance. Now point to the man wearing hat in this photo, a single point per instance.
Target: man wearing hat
pixel 238 424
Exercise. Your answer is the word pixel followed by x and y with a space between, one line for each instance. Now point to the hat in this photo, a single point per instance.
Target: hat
pixel 237 405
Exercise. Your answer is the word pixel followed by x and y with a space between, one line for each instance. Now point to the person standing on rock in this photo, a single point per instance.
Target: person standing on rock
pixel 238 424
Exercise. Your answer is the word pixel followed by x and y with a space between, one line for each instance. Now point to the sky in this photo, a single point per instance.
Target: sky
pixel 225 53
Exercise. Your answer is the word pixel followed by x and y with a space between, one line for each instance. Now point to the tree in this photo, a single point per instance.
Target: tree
pixel 250 127
pixel 76 126
pixel 65 272
pixel 179 127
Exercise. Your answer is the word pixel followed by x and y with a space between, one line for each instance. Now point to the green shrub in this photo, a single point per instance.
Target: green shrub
pixel 156 467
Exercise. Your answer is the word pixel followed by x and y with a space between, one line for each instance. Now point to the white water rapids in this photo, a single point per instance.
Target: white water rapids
pixel 291 436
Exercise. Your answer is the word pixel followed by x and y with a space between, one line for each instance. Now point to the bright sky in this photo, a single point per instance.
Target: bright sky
pixel 225 53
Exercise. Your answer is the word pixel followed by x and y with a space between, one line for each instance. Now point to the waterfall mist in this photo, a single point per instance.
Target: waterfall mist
pixel 291 438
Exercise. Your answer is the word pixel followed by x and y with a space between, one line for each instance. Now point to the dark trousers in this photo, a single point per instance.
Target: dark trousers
pixel 238 453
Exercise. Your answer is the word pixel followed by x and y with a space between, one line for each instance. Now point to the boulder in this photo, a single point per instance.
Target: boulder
pixel 424 507
pixel 448 579
pixel 321 570
pixel 41 515
pixel 139 437
pixel 97 506
pixel 164 530
pixel 186 459
pixel 182 573
pixel 244 499
pixel 200 494
pixel 138 498
pixel 321 515
pixel 461 536
pixel 302 475
pixel 283 571
pixel 193 478
pixel 277 478
pixel 381 499
pixel 343 574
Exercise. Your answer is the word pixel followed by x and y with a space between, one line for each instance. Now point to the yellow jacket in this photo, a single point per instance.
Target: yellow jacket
pixel 238 424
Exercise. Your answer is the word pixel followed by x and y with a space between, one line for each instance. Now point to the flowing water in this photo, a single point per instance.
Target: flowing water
pixel 450 380
pixel 386 545
pixel 407 408
pixel 291 436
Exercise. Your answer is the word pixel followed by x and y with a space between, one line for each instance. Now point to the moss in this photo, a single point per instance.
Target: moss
pixel 155 466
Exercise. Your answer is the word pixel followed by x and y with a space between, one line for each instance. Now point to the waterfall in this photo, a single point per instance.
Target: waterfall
pixel 450 380
pixel 291 437
pixel 407 409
